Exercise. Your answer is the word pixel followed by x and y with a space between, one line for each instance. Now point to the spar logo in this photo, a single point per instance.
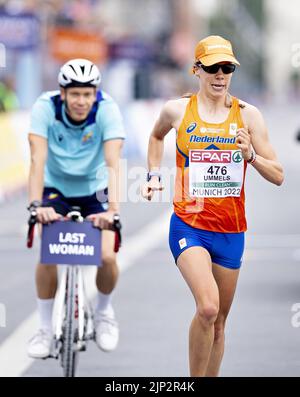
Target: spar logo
pixel 191 128
pixel 237 156
pixel 210 156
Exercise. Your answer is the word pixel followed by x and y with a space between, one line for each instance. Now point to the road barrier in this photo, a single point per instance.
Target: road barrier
pixel 13 153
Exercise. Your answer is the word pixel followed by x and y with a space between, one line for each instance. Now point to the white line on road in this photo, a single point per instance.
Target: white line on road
pixel 296 255
pixel 273 240
pixel 13 357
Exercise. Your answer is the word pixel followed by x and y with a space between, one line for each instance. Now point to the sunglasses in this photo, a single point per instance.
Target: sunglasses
pixel 227 68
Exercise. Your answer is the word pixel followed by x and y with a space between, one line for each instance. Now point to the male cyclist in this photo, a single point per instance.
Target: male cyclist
pixel 75 137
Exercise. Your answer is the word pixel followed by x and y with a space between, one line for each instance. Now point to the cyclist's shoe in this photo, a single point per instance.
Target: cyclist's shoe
pixel 39 346
pixel 107 332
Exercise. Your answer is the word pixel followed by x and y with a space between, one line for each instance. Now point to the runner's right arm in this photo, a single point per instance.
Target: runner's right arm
pixel 162 126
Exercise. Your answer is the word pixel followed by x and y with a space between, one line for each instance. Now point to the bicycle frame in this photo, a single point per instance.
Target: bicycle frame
pixel 73 323
pixel 80 318
pixel 85 326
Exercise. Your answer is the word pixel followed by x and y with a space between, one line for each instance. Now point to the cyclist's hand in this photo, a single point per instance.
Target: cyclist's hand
pixel 47 214
pixel 243 141
pixel 104 220
pixel 150 187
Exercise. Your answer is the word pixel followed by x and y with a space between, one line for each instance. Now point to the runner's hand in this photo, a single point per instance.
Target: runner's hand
pixel 243 141
pixel 150 187
pixel 47 214
pixel 103 220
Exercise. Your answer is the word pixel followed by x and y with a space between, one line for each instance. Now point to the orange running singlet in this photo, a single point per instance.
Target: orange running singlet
pixel 209 187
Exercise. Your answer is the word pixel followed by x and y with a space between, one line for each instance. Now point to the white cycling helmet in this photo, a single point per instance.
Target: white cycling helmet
pixel 79 73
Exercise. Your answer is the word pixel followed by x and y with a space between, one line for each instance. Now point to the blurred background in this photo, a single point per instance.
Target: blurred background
pixel 144 49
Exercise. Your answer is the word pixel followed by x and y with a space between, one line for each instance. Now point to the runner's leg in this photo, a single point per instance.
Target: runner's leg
pixel 46 275
pixel 196 268
pixel 226 280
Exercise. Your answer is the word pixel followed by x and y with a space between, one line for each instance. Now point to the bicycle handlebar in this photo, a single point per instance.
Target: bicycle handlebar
pixel 117 226
pixel 75 216
pixel 31 224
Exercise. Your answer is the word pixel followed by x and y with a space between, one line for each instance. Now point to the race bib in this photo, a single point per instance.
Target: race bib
pixel 215 173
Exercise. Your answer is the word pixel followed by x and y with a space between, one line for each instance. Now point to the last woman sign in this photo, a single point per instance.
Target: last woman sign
pixel 71 243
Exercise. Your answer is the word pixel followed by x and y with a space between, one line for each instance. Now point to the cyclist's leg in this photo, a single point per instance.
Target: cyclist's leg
pixel 106 326
pixel 46 283
pixel 107 274
pixel 196 268
pixel 227 251
pixel 95 204
pixel 46 275
pixel 107 330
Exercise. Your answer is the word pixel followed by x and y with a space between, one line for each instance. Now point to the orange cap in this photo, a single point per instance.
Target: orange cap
pixel 214 49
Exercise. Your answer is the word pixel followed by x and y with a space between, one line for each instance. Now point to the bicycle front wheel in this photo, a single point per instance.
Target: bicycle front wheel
pixel 69 353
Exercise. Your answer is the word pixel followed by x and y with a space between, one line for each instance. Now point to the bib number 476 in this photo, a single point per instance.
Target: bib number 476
pixel 217 170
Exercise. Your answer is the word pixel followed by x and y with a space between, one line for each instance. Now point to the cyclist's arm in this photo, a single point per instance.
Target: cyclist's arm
pixel 266 162
pixel 38 156
pixel 163 125
pixel 112 153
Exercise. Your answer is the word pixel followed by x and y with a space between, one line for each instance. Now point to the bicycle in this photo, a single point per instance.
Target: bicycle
pixel 74 324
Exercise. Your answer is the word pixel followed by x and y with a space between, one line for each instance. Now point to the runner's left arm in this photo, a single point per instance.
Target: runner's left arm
pixel 266 162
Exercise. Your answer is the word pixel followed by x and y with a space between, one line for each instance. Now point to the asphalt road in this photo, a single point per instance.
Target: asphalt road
pixel 154 306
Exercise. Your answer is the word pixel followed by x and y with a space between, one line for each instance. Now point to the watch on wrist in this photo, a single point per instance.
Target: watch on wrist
pixel 153 173
pixel 252 158
pixel 34 205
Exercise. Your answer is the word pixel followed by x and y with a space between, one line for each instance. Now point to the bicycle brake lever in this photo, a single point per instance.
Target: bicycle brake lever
pixel 117 228
pixel 31 223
